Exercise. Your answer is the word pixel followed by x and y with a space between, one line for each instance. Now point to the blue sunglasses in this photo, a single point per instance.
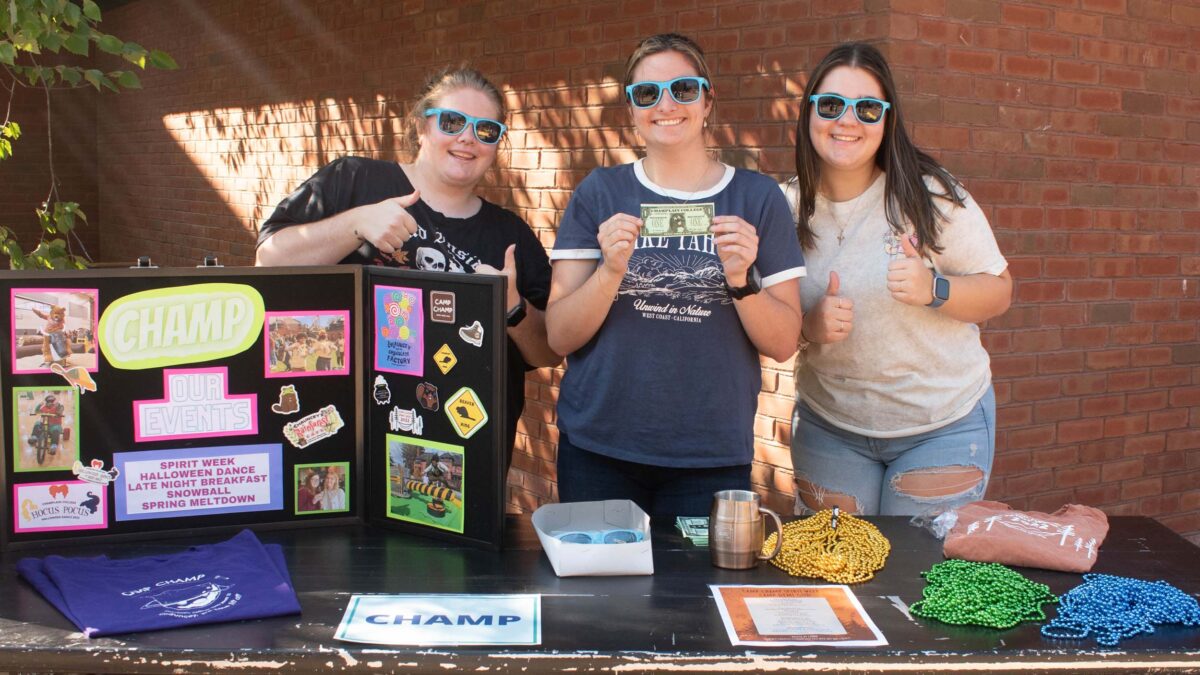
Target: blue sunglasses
pixel 683 89
pixel 453 122
pixel 832 106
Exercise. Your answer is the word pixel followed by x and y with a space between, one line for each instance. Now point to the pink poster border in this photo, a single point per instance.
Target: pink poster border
pixel 344 370
pixel 16 494
pixel 167 372
pixel 12 325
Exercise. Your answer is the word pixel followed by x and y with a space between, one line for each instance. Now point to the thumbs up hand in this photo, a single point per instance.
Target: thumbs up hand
pixel 387 224
pixel 908 279
pixel 510 271
pixel 833 317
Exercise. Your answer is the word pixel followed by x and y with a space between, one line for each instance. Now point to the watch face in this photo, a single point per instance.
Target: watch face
pixel 941 288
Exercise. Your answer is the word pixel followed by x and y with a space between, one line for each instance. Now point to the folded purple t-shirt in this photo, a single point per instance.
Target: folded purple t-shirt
pixel 230 581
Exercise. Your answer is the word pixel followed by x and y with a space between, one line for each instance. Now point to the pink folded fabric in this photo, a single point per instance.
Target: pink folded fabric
pixel 1067 540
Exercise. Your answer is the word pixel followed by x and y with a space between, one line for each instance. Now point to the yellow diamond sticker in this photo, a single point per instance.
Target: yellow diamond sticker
pixel 445 359
pixel 466 413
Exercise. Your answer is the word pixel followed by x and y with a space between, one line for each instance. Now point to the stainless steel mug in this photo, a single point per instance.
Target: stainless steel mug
pixel 735 530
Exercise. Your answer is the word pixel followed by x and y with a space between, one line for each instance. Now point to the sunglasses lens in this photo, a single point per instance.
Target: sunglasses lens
pixel 487 131
pixel 869 112
pixel 621 537
pixel 686 91
pixel 645 94
pixel 575 538
pixel 450 122
pixel 830 107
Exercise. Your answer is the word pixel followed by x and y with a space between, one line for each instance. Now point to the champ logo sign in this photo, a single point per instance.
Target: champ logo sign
pixel 430 620
pixel 181 324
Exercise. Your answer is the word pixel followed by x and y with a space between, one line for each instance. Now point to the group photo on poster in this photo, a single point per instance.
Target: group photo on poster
pixel 425 482
pixel 306 343
pixel 45 428
pixel 322 488
pixel 53 330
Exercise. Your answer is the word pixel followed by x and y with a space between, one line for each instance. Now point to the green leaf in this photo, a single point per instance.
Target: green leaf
pixel 110 44
pixel 12 130
pixel 7 53
pixel 108 84
pixel 52 41
pixel 69 74
pixel 72 14
pixel 163 60
pixel 77 43
pixel 91 10
pixel 5 148
pixel 64 220
pixel 93 77
pixel 127 79
pixel 134 53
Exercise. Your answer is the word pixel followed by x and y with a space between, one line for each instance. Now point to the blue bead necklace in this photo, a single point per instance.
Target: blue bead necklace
pixel 1113 608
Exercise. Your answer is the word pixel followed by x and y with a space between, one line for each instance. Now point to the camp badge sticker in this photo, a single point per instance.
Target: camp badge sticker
pixel 441 307
pixel 406 420
pixel 399 330
pixel 180 325
pixel 315 427
pixel 466 412
pixel 472 334
pixel 66 505
pixel 382 393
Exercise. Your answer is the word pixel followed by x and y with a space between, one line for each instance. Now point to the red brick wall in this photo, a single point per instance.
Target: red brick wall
pixel 25 177
pixel 1076 123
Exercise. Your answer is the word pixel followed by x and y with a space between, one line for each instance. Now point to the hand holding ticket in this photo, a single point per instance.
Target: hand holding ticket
pixel 676 220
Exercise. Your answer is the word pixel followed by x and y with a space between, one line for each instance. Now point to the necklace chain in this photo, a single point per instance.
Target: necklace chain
pixel 1113 608
pixel 980 594
pixel 700 184
pixel 831 546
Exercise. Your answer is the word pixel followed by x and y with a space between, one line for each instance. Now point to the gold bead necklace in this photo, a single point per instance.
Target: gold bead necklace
pixel 830 546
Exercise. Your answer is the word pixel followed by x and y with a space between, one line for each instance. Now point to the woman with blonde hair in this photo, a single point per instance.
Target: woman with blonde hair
pixel 427 214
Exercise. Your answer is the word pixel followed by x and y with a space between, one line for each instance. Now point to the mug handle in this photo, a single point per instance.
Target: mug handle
pixel 778 529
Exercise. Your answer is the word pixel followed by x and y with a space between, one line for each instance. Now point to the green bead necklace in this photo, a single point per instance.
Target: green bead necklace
pixel 980 594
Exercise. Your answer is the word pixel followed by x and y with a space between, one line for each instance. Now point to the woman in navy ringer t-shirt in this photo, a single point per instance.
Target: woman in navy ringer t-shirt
pixel 663 333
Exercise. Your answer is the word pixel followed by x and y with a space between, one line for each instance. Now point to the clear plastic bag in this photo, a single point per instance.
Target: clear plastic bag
pixel 938 521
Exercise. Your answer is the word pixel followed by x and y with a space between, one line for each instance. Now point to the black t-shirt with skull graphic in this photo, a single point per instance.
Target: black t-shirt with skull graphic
pixel 441 243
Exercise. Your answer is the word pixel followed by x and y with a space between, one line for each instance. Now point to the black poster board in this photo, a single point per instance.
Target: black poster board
pixel 434 355
pixel 223 397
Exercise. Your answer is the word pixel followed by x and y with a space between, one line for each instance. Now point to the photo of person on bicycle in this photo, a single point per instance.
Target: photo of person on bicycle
pixel 45 417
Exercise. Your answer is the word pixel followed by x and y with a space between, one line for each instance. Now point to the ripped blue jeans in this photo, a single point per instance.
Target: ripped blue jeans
pixel 903 476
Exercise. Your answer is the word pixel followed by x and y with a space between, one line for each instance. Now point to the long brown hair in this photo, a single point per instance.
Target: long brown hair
pixel 906 196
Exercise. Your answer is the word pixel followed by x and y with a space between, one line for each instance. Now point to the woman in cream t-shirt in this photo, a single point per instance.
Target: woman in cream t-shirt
pixel 895 412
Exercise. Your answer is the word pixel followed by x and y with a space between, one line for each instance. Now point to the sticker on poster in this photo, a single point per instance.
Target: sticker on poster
pixel 96 473
pixel 54 326
pixel 441 306
pixel 45 428
pixel 382 392
pixel 406 420
pixel 399 330
pixel 306 344
pixel 180 325
pixel 472 334
pixel 427 396
pixel 445 359
pixel 466 412
pixel 425 482
pixel 196 403
pixel 68 505
pixel 77 376
pixel 322 488
pixel 315 427
pixel 188 482
pixel 289 401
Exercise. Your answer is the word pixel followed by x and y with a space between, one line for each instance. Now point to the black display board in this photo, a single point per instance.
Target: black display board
pixel 183 399
pixel 434 370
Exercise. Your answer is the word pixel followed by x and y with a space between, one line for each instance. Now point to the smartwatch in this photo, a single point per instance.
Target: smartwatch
pixel 941 290
pixel 517 314
pixel 753 285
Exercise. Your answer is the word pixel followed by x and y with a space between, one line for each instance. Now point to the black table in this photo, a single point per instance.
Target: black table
pixel 667 621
